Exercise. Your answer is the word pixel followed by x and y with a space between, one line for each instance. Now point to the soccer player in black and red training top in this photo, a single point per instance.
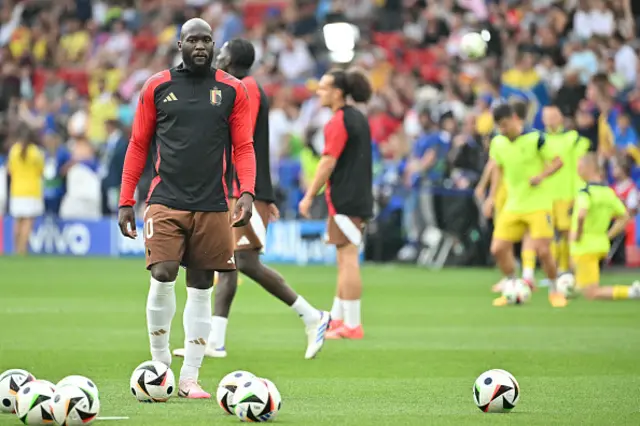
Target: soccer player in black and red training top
pixel 236 57
pixel 346 169
pixel 191 118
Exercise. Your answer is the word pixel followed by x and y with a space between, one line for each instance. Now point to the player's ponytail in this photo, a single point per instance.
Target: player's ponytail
pixel 353 83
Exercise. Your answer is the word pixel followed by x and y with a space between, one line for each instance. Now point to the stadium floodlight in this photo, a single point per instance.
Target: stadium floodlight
pixel 340 39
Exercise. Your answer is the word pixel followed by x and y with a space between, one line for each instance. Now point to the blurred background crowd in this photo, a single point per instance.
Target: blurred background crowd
pixel 71 71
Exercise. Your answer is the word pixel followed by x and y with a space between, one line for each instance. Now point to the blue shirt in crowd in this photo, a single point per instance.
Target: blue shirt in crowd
pixel 439 142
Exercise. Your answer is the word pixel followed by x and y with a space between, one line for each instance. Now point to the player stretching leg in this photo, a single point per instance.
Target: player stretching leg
pixel 194 116
pixel 596 205
pixel 236 57
pixel 520 157
pixel 345 167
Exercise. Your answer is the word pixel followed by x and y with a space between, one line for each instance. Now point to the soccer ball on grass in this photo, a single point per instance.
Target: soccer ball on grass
pixel 228 386
pixel 10 383
pixel 72 405
pixel 152 381
pixel 496 391
pixel 516 292
pixel 252 401
pixel 82 382
pixel 33 403
pixel 566 284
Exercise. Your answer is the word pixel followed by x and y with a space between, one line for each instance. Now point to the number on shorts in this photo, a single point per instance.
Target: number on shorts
pixel 148 228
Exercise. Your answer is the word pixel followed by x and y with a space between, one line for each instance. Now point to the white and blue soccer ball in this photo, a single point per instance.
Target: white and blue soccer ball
pixel 74 406
pixel 33 403
pixel 474 45
pixel 10 383
pixel 82 382
pixel 276 398
pixel 252 401
pixel 228 386
pixel 496 391
pixel 566 284
pixel 517 292
pixel 152 381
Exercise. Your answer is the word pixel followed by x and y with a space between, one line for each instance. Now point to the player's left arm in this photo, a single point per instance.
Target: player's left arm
pixel 241 127
pixel 621 215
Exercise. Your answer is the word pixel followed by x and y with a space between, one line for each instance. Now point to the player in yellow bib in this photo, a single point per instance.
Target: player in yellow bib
pixel 564 184
pixel 596 205
pixel 528 255
pixel 523 161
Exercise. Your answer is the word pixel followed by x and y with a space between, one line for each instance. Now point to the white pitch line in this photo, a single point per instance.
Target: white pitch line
pixel 112 418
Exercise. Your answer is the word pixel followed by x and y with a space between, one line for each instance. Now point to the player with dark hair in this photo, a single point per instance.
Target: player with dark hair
pixel 346 169
pixel 522 159
pixel 236 57
pixel 191 117
pixel 528 254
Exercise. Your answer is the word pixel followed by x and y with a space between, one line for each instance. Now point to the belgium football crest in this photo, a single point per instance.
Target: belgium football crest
pixel 215 96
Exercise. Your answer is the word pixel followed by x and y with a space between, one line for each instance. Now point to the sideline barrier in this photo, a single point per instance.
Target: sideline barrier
pixel 293 242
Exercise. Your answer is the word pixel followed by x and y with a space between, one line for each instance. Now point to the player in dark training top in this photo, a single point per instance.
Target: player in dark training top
pixel 191 118
pixel 346 169
pixel 236 57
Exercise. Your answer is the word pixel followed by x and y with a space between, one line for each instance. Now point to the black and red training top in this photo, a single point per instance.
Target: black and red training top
pixel 191 123
pixel 347 138
pixel 260 121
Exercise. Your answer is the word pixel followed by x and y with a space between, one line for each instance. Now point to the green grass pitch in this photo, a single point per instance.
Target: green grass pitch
pixel 428 336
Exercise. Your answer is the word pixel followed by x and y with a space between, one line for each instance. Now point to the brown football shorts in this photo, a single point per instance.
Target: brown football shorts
pixel 254 235
pixel 343 230
pixel 198 240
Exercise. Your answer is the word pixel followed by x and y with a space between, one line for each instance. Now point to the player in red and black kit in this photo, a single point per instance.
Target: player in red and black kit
pixel 346 169
pixel 236 57
pixel 191 118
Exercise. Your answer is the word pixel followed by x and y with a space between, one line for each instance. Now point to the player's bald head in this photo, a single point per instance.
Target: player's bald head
pixel 194 26
pixel 589 167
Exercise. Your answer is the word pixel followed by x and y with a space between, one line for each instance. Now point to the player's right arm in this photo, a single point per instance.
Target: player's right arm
pixel 485 180
pixel 144 126
pixel 582 205
pixel 496 177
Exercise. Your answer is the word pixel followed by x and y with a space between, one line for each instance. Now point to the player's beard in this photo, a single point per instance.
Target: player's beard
pixel 199 68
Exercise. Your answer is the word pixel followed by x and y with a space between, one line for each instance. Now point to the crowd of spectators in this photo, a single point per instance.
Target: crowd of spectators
pixel 72 70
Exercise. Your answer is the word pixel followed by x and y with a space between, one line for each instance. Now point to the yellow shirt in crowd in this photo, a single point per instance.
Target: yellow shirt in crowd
pixel 26 171
pixel 75 44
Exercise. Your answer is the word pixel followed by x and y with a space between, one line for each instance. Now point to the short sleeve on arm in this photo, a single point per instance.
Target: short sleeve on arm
pixel 583 200
pixel 335 136
pixel 494 151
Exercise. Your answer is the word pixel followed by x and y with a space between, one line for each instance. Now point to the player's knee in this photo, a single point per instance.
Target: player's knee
pixel 590 292
pixel 165 272
pixel 543 251
pixel 497 248
pixel 247 263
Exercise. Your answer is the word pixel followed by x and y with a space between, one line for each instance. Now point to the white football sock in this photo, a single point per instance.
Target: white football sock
pixel 528 274
pixel 161 307
pixel 351 313
pixel 218 333
pixel 308 313
pixel 337 312
pixel 197 327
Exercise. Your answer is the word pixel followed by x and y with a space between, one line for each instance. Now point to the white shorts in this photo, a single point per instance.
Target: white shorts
pixel 26 207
